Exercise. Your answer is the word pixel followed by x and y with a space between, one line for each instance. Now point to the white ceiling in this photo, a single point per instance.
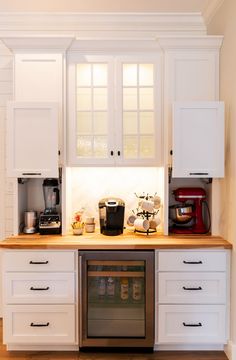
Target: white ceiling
pixel 109 5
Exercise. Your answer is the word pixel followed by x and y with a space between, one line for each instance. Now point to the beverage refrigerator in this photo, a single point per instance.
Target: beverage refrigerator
pixel 116 291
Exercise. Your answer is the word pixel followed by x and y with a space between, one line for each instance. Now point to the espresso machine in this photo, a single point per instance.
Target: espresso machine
pixel 187 216
pixel 111 213
pixel 49 220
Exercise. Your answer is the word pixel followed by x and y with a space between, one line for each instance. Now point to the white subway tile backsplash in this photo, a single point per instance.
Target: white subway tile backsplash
pixel 6 87
pixel 9 199
pixel 89 185
pixel 6 62
pixel 6 74
pixel 9 225
pixel 6 93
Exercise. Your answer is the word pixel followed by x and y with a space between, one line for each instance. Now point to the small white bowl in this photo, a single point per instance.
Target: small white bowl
pixel 78 231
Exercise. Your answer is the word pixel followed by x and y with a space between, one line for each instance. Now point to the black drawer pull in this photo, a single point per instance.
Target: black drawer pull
pixel 198 288
pixel 31 174
pixel 39 262
pixel 39 289
pixel 192 325
pixel 39 325
pixel 112 152
pixel 192 262
pixel 199 173
pixel 118 152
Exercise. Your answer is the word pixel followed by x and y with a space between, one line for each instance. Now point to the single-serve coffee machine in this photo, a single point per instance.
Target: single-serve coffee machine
pixel 111 213
pixel 49 220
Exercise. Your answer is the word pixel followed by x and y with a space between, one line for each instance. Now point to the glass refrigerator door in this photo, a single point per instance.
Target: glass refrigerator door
pixel 116 298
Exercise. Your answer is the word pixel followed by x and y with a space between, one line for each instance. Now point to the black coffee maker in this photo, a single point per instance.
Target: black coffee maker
pixel 111 213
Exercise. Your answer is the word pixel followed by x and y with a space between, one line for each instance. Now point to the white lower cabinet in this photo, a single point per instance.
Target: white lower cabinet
pixel 36 324
pixel 40 298
pixel 191 297
pixel 191 324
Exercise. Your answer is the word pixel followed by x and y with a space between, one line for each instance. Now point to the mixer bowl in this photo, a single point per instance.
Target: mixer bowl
pixel 181 214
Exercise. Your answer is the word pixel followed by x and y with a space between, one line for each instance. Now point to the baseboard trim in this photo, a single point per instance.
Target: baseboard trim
pixel 230 350
pixel 189 347
pixel 42 347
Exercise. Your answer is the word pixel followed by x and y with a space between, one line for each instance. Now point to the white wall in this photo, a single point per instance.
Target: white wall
pixel 224 23
pixel 104 5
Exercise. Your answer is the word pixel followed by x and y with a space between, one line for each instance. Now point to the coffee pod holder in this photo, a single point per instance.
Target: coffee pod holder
pixel 145 214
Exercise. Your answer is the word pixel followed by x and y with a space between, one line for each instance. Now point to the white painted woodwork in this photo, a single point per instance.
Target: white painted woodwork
pixel 192 294
pixel 60 319
pixel 98 25
pixel 191 288
pixel 55 308
pixel 198 139
pixel 188 62
pixel 116 137
pixel 181 261
pixel 51 261
pixel 39 288
pixel 38 77
pixel 39 70
pixel 32 139
pixel 171 321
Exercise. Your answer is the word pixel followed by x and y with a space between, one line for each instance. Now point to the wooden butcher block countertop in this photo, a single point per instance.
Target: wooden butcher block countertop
pixel 127 241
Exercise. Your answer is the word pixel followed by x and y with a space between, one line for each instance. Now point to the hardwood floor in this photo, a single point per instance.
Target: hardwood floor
pixel 162 355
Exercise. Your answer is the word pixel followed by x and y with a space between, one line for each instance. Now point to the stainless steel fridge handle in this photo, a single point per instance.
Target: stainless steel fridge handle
pixel 80 302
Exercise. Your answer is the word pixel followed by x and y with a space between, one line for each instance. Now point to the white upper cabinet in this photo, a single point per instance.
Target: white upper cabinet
pixel 198 139
pixel 114 111
pixel 32 139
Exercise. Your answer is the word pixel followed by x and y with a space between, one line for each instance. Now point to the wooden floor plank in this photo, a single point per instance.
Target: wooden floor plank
pixel 68 355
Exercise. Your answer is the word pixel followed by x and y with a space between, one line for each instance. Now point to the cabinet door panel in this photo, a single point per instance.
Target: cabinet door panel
pixel 37 324
pixel 39 288
pixel 32 139
pixel 198 139
pixel 191 324
pixel 192 261
pixel 195 288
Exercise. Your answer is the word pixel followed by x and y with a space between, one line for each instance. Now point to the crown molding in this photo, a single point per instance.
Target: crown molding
pixel 211 9
pixel 98 24
pixel 213 42
pixel 47 43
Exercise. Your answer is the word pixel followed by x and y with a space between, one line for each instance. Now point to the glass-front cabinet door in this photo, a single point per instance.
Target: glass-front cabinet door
pixel 139 99
pixel 114 110
pixel 117 298
pixel 90 108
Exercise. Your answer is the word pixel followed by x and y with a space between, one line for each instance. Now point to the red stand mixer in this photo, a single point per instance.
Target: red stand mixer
pixel 185 212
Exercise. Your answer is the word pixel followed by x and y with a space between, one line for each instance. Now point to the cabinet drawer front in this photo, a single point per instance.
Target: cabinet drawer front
pixel 192 261
pixel 35 324
pixel 39 288
pixel 189 324
pixel 195 288
pixel 39 261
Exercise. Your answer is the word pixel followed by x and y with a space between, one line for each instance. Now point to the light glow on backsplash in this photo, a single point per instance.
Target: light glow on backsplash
pixel 88 185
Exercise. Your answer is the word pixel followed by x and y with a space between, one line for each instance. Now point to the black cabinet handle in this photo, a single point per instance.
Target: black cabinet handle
pixel 118 152
pixel 39 289
pixel 112 152
pixel 192 325
pixel 199 173
pixel 192 262
pixel 39 262
pixel 32 174
pixel 39 325
pixel 189 288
